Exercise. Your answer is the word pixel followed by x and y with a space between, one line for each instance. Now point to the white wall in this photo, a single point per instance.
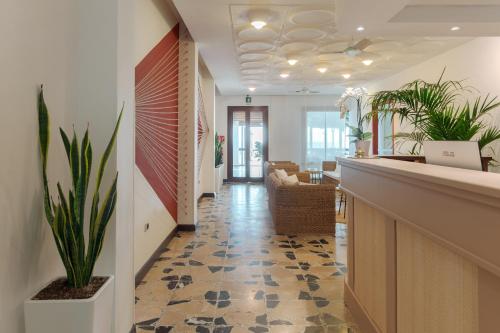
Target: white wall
pixel 477 61
pixel 206 179
pixel 154 20
pixel 286 122
pixel 72 47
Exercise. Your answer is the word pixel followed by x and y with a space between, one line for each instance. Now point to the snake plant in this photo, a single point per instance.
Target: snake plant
pixel 66 215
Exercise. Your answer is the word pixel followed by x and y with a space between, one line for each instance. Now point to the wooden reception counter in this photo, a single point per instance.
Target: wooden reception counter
pixel 424 247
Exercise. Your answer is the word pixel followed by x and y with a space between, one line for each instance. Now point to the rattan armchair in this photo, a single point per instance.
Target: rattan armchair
pixel 302 208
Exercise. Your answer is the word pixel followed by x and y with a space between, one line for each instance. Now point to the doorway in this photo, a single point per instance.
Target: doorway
pixel 247 142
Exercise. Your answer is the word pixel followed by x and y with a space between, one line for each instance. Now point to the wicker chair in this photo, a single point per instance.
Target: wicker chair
pixel 270 166
pixel 329 165
pixel 301 208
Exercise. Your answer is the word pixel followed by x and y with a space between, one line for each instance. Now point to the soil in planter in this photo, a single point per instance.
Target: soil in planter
pixel 59 289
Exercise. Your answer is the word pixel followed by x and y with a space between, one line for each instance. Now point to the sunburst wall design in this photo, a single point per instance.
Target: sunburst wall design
pixel 203 129
pixel 157 118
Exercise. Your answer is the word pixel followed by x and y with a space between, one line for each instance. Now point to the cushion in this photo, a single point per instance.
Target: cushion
pixel 291 180
pixel 302 183
pixel 281 174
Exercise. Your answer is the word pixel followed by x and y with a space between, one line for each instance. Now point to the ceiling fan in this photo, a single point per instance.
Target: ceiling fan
pixel 306 91
pixel 357 49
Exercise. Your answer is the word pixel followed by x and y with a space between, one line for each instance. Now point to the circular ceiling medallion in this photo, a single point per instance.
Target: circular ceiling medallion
pixel 384 46
pixel 335 47
pixel 254 56
pixel 312 17
pixel 298 47
pixel 253 64
pixel 250 33
pixel 252 71
pixel 305 34
pixel 331 57
pixel 256 46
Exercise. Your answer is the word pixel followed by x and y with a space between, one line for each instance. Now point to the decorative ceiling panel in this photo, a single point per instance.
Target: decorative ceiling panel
pixel 309 34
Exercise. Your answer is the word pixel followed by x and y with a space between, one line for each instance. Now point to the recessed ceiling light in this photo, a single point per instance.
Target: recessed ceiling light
pixel 455 28
pixel 251 88
pixel 292 61
pixel 367 62
pixel 346 76
pixel 322 70
pixel 258 24
pixel 284 75
pixel 360 28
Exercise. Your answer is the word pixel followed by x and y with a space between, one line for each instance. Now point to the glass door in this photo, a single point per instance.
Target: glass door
pixel 247 142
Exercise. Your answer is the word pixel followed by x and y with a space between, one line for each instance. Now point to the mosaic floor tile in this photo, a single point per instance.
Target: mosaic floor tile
pixel 235 274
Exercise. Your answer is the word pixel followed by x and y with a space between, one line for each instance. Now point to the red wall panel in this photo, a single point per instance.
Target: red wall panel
pixel 157 118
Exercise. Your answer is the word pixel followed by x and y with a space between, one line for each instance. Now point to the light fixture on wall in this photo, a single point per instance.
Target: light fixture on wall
pixel 322 70
pixel 284 75
pixel 367 62
pixel 252 89
pixel 360 28
pixel 455 28
pixel 258 24
pixel 346 75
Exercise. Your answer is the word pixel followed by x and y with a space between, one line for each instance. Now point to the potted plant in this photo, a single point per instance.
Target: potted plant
pixel 361 138
pixel 79 302
pixel 219 161
pixel 438 111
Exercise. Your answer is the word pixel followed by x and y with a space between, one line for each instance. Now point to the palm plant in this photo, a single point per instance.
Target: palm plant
pixel 435 113
pixel 66 216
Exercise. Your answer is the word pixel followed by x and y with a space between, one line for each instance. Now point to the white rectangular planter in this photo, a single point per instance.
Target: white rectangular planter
pixel 91 315
pixel 219 177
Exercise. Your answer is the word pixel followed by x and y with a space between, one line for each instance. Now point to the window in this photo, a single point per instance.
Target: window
pixel 326 138
pixel 385 136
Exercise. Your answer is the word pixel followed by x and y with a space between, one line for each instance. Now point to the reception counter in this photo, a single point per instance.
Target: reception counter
pixel 424 247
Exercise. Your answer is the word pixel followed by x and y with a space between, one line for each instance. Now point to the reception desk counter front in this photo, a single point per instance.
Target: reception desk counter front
pixel 424 247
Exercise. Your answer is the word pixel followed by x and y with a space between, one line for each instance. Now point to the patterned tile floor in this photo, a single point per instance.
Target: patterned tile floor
pixel 235 274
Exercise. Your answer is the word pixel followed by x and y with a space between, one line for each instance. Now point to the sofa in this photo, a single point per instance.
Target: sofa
pixel 301 208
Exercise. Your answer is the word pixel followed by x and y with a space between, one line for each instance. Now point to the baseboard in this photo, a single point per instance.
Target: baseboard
pixel 362 319
pixel 206 195
pixel 186 227
pixel 156 254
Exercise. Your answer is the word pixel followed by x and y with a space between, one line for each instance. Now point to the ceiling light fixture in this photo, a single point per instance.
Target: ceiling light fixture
pixel 322 70
pixel 346 76
pixel 258 24
pixel 284 75
pixel 292 61
pixel 367 62
pixel 360 28
pixel 252 89
pixel 455 28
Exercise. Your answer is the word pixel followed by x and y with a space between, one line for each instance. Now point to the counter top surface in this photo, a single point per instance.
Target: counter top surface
pixel 484 183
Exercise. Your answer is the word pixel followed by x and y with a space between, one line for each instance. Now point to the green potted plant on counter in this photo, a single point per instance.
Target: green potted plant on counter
pixel 438 111
pixel 219 161
pixel 79 302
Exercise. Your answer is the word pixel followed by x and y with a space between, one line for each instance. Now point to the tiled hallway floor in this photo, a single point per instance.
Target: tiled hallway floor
pixel 234 274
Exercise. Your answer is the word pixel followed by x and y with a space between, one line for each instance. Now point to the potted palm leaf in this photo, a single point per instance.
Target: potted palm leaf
pixel 219 161
pixel 79 302
pixel 438 111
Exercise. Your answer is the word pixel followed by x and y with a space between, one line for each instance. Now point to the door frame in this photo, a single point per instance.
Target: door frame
pixel 265 144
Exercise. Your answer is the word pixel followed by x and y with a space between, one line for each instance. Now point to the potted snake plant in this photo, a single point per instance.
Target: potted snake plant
pixel 79 302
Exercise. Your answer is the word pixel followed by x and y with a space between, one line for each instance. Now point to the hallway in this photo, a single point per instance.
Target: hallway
pixel 234 274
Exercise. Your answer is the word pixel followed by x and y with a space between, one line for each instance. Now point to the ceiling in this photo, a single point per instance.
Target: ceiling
pixel 397 34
